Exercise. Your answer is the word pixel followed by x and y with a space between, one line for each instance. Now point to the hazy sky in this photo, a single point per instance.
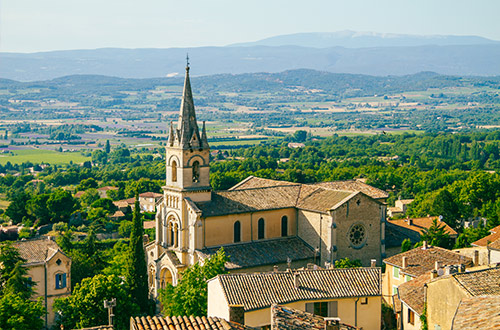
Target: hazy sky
pixel 40 25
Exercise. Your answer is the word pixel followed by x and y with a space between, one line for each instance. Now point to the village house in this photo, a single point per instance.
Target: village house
pixel 353 295
pixel 259 222
pixel 399 208
pixel 407 266
pixel 49 268
pixel 456 288
pixel 287 318
pixel 493 236
pixel 148 201
pixel 103 191
pixel 494 252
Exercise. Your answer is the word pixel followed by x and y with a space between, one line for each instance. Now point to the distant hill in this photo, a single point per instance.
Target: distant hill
pixel 481 58
pixel 353 39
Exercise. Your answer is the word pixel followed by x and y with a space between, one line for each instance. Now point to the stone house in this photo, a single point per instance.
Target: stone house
pixel 353 295
pixel 148 201
pixel 259 222
pixel 50 268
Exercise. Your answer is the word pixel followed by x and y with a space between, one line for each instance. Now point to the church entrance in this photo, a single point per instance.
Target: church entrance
pixel 165 277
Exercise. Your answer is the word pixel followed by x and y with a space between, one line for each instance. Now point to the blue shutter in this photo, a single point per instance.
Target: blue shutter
pixel 63 280
pixel 57 280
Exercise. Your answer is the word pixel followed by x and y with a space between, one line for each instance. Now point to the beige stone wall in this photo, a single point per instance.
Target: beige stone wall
pixel 368 213
pixel 184 160
pixel 416 320
pixel 314 229
pixel 366 316
pixel 217 303
pixel 443 297
pixel 494 256
pixel 219 230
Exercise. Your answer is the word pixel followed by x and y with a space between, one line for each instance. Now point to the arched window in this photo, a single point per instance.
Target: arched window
pixel 174 171
pixel 237 232
pixel 261 229
pixel 196 171
pixel 284 226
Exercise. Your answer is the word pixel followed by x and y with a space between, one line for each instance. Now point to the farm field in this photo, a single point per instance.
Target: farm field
pixel 40 155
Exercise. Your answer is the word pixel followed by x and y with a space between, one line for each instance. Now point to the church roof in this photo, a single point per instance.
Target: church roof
pixel 256 194
pixel 261 290
pixel 263 252
pixel 345 185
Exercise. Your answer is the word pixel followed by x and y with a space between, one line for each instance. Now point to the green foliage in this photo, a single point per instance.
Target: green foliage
pixel 118 259
pixel 423 319
pixel 189 297
pixel 136 275
pixel 125 228
pixel 90 196
pixel 87 261
pixel 436 235
pixel 347 263
pixel 85 306
pixel 406 245
pixel 87 184
pixel 17 208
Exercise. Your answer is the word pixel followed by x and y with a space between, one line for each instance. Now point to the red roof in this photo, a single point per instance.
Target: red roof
pixel 419 224
pixel 150 194
pixel 495 235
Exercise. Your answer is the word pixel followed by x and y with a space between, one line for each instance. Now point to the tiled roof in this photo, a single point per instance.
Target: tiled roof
pixel 495 245
pixel 495 235
pixel 79 194
pixel 412 293
pixel 149 224
pixel 100 327
pixel 286 318
pixel 419 224
pixel 106 188
pixel 480 282
pixel 265 252
pixel 36 250
pixel 256 291
pixel 422 260
pixel 249 197
pixel 346 185
pixel 183 322
pixel 481 312
pixel 150 194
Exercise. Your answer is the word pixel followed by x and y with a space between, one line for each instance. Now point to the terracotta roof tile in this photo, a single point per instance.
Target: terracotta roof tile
pixel 495 245
pixel 150 194
pixel 256 291
pixel 286 318
pixel 495 235
pixel 419 224
pixel 412 293
pixel 421 261
pixel 260 253
pixel 183 322
pixel 149 224
pixel 480 282
pixel 36 250
pixel 481 312
pixel 106 188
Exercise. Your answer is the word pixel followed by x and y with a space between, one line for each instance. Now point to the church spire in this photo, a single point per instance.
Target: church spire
pixel 189 134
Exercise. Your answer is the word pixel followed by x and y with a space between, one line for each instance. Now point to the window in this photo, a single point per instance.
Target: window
pixel 357 235
pixel 407 278
pixel 174 171
pixel 395 272
pixel 364 300
pixel 284 226
pixel 261 229
pixel 394 289
pixel 411 316
pixel 196 171
pixel 237 232
pixel 323 308
pixel 60 281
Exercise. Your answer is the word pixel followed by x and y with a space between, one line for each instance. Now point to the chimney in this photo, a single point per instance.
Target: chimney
pixel 405 262
pixel 434 274
pixel 237 314
pixel 475 258
pixel 275 268
pixel 373 263
pixel 424 246
pixel 437 265
pixel 332 323
pixel 410 222
pixel 296 280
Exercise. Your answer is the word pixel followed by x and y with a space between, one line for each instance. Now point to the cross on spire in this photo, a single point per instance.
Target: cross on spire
pixel 187 61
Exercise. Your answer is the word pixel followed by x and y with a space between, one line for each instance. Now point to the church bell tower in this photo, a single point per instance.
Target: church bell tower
pixel 187 152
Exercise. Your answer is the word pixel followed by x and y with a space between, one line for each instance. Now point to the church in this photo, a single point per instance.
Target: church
pixel 262 224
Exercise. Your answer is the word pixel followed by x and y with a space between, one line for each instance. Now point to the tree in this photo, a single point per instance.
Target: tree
pixel 87 184
pixel 436 235
pixel 137 276
pixel 87 261
pixel 17 311
pixel 16 210
pixel 90 196
pixel 347 263
pixel 61 204
pixel 84 308
pixel 406 245
pixel 190 295
pixel 107 149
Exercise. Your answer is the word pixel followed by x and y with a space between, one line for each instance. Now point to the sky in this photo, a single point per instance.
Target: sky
pixel 44 25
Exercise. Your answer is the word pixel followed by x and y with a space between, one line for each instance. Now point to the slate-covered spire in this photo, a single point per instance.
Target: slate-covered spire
pixel 171 136
pixel 189 135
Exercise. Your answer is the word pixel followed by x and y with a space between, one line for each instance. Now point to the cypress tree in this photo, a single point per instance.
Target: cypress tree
pixel 137 277
pixel 108 147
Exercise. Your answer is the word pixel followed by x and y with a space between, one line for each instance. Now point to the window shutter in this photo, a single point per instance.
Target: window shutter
pixel 63 280
pixel 332 308
pixel 57 280
pixel 310 308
